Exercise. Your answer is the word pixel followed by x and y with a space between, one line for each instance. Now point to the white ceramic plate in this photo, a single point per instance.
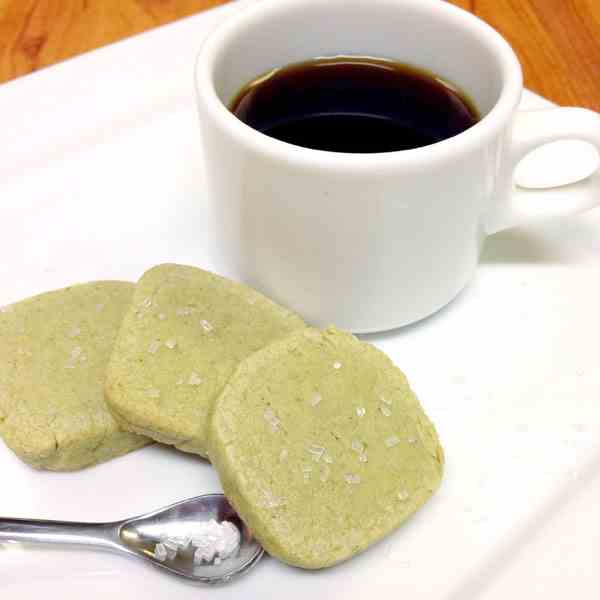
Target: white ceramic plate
pixel 100 177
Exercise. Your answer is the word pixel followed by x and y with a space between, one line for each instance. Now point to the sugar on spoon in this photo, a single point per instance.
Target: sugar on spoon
pixel 139 536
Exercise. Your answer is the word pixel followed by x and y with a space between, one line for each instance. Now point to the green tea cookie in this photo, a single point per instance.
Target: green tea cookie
pixel 180 341
pixel 54 349
pixel 322 447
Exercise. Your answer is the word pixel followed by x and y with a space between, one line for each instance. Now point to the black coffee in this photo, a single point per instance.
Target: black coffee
pixel 354 104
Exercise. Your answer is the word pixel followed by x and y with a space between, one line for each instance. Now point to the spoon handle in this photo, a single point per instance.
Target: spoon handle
pixel 60 532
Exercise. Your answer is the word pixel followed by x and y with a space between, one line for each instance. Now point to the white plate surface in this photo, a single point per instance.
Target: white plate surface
pixel 100 177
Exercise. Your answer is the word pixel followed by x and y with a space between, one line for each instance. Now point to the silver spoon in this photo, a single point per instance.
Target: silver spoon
pixel 138 536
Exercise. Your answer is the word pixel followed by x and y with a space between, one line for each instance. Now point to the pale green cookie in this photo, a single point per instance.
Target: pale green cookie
pixel 54 349
pixel 322 447
pixel 180 341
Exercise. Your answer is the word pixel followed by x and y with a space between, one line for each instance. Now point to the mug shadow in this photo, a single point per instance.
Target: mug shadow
pixel 544 243
pixel 432 319
pixel 547 241
pixel 519 246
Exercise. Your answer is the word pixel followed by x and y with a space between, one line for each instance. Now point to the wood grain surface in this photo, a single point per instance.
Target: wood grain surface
pixel 557 41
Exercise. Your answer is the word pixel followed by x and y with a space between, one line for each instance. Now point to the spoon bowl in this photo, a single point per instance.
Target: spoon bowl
pixel 138 536
pixel 141 534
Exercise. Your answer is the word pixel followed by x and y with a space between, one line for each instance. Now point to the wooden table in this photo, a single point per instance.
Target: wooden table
pixel 558 41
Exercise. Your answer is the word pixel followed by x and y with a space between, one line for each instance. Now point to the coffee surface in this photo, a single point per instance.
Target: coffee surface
pixel 354 104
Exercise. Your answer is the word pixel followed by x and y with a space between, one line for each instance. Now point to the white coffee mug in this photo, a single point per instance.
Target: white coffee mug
pixel 372 241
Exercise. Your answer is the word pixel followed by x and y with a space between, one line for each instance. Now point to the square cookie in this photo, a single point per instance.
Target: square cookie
pixel 183 336
pixel 54 349
pixel 322 447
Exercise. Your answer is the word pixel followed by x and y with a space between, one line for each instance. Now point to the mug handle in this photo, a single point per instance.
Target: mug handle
pixel 536 128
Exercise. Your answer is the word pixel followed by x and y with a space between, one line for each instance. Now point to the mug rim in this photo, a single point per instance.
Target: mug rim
pixel 468 140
